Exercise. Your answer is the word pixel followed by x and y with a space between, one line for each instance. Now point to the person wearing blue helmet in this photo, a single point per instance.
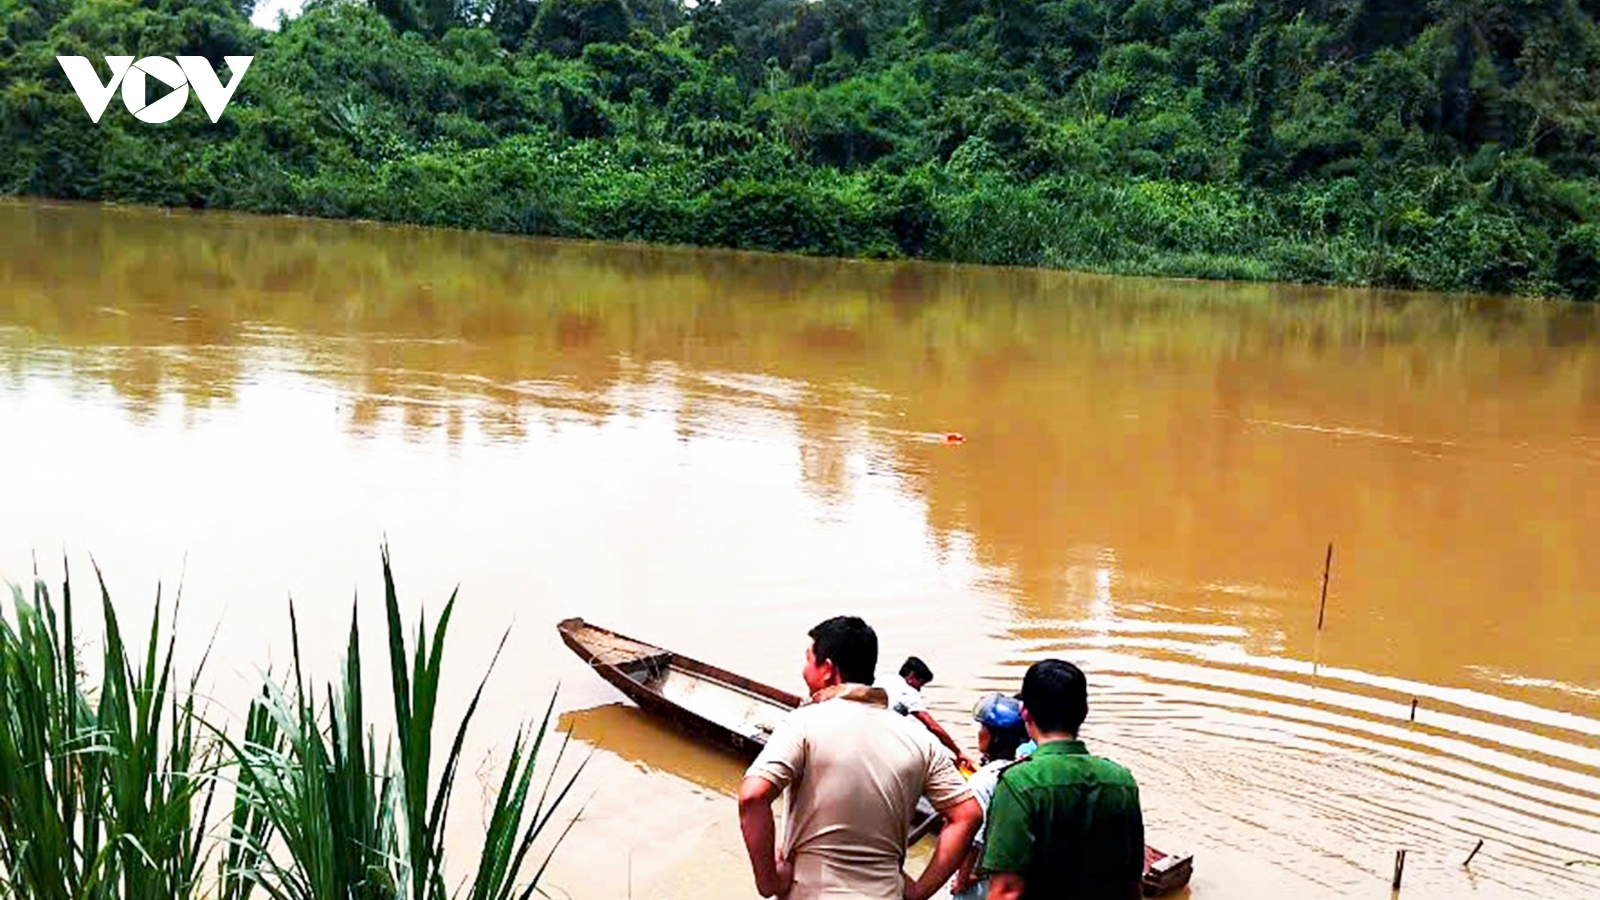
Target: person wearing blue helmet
pixel 1001 730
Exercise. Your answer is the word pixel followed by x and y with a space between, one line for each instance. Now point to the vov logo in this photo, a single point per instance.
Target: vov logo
pixel 188 72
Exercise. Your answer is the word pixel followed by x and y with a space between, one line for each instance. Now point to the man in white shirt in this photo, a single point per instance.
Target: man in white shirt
pixel 854 772
pixel 905 698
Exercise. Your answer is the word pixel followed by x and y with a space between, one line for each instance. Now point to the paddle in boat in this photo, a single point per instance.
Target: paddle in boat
pixel 740 713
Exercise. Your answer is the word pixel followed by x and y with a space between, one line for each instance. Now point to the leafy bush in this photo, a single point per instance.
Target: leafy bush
pixel 1436 145
pixel 1577 267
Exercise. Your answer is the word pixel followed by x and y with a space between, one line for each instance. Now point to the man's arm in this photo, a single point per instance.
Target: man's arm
pixel 961 823
pixel 760 836
pixel 778 766
pixel 933 725
pixel 964 875
pixel 1005 886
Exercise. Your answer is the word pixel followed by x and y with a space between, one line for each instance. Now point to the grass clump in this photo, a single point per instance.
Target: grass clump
pixel 107 782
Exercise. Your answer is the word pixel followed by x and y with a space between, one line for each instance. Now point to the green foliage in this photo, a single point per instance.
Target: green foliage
pixel 844 126
pixel 106 789
pixel 566 27
pixel 1578 262
pixel 651 66
pixel 102 788
pixel 1415 143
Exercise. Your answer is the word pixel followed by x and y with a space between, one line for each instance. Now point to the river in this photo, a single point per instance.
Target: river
pixel 713 451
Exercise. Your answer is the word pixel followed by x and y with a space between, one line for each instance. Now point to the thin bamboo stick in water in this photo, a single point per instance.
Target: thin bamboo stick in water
pixel 1327 564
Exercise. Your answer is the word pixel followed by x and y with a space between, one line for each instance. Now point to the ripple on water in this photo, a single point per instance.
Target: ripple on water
pixel 1279 758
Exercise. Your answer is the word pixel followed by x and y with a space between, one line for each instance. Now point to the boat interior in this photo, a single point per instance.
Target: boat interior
pixel 728 705
pixel 716 701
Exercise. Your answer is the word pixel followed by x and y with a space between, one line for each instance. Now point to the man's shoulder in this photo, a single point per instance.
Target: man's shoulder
pixel 903 698
pixel 904 738
pixel 821 711
pixel 987 777
pixel 838 713
pixel 1111 771
pixel 1049 770
pixel 1015 773
pixel 808 717
pixel 994 767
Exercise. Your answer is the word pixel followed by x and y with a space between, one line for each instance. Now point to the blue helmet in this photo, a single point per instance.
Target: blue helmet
pixel 997 712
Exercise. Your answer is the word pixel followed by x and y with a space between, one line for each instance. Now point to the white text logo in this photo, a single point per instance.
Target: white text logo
pixel 188 72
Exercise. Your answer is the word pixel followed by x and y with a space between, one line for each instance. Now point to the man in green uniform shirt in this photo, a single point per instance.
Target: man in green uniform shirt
pixel 1063 824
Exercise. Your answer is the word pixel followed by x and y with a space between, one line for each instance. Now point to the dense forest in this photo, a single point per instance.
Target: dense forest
pixel 1447 144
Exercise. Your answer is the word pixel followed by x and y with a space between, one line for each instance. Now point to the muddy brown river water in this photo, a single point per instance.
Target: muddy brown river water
pixel 713 451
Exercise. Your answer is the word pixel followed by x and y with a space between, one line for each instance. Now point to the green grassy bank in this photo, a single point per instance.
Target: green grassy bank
pixel 1438 144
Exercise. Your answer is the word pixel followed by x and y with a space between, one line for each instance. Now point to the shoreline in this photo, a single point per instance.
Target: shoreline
pixel 1375 291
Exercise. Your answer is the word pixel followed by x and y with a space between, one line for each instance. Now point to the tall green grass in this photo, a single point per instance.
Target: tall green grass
pixel 98 785
pixel 107 783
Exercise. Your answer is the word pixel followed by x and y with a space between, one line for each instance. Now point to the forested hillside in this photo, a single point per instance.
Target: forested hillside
pixel 1449 144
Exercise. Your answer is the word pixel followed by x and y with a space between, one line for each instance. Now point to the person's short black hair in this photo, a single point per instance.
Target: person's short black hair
pixel 850 644
pixel 1003 742
pixel 914 666
pixel 1056 696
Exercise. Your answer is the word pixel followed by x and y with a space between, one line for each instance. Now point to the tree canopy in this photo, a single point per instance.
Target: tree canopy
pixel 1449 144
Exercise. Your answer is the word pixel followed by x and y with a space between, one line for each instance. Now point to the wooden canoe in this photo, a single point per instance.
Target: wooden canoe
pixel 739 713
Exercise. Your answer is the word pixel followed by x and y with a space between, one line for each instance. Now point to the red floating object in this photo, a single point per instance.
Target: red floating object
pixel 954 437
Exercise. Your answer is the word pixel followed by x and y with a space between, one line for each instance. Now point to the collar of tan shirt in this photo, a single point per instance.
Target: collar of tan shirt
pixel 860 693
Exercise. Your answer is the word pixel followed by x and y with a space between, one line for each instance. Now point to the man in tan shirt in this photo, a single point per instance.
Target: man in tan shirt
pixel 854 771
